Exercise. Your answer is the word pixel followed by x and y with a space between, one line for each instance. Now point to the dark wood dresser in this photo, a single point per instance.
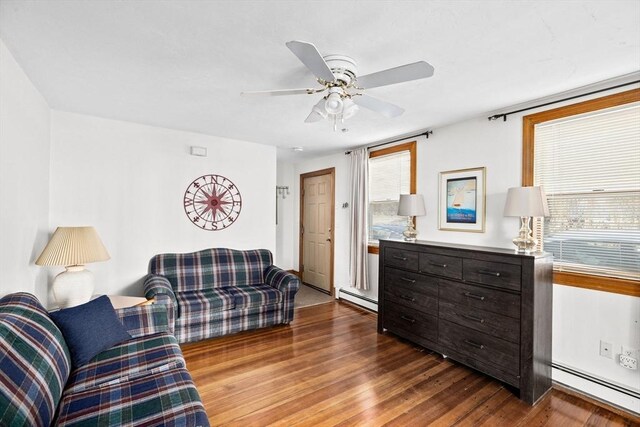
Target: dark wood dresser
pixel 487 308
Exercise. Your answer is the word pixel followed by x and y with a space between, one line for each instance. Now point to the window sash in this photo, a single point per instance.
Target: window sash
pixel 589 167
pixel 387 201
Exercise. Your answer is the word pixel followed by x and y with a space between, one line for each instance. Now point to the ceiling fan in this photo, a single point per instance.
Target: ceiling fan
pixel 338 77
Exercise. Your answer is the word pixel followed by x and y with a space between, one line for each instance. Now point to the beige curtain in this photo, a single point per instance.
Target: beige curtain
pixel 359 230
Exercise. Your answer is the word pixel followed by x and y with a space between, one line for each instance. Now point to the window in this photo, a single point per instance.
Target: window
pixel 587 158
pixel 391 173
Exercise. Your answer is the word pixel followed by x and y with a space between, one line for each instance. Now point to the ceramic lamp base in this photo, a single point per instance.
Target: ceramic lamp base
pixel 72 287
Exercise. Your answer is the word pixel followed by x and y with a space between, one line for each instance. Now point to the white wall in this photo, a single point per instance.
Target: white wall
pixel 286 217
pixel 128 180
pixel 24 180
pixel 581 318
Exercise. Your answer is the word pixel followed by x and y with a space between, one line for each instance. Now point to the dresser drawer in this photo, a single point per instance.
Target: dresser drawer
pixel 497 325
pixel 401 258
pixel 477 297
pixel 421 283
pixel 484 348
pixel 411 298
pixel 442 265
pixel 492 273
pixel 412 290
pixel 402 319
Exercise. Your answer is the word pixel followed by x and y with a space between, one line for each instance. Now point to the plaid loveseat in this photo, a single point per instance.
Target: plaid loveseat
pixel 219 291
pixel 140 382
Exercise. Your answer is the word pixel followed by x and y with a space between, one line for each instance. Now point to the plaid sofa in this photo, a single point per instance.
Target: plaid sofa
pixel 139 382
pixel 220 291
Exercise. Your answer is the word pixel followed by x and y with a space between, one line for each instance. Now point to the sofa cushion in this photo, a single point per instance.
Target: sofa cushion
pixel 199 304
pixel 163 398
pixel 228 322
pixel 131 359
pixel 251 296
pixel 212 268
pixel 90 328
pixel 34 362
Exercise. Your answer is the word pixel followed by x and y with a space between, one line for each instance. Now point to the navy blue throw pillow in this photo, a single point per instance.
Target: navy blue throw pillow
pixel 89 329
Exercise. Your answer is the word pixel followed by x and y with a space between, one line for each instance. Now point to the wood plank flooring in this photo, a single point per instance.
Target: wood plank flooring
pixel 331 368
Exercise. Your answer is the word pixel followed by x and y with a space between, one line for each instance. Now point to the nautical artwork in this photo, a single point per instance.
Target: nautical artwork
pixel 462 200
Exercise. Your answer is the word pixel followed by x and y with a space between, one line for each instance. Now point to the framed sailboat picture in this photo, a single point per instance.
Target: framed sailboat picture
pixel 462 200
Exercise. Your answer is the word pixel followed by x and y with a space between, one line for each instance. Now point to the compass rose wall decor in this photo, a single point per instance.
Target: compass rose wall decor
pixel 212 202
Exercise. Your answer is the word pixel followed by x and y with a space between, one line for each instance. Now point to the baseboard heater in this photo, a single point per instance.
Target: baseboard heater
pixel 361 300
pixel 596 380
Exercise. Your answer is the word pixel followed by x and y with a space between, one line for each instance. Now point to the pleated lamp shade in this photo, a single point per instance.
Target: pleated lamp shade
pixel 73 246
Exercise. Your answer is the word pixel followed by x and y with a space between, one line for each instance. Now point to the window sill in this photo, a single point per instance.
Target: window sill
pixel 598 283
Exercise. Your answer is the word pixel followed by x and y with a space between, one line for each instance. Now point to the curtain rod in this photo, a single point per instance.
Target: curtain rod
pixel 425 134
pixel 504 115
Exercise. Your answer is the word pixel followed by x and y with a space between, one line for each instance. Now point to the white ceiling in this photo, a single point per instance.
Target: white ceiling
pixel 182 64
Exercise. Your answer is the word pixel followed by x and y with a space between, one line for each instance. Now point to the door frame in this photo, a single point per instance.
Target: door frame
pixel 303 176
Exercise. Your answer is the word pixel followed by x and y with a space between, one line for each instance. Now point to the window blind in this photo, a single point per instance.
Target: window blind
pixel 589 167
pixel 389 176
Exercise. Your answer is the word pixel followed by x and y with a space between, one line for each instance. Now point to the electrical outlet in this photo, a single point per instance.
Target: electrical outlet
pixel 628 362
pixel 606 350
pixel 628 351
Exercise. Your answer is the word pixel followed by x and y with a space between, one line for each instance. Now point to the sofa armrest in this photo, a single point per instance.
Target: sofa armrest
pixel 158 288
pixel 143 320
pixel 282 280
pixel 286 283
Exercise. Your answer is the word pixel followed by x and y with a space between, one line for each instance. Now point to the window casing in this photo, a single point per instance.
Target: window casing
pixel 587 158
pixel 392 171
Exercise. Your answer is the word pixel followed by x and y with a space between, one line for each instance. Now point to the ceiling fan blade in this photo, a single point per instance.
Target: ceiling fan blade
pixel 282 92
pixel 311 58
pixel 385 108
pixel 403 73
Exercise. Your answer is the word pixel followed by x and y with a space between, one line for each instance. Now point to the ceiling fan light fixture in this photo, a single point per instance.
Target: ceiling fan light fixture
pixel 319 109
pixel 333 104
pixel 349 108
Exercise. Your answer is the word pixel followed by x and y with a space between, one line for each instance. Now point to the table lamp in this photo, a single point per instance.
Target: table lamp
pixel 411 205
pixel 72 247
pixel 526 203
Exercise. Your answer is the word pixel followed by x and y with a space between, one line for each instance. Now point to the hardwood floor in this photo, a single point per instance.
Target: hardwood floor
pixel 331 368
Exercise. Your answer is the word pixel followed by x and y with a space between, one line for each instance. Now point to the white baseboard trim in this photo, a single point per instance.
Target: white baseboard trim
pixel 597 390
pixel 356 299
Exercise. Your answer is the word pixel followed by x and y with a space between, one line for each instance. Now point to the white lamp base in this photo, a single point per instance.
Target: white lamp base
pixel 72 287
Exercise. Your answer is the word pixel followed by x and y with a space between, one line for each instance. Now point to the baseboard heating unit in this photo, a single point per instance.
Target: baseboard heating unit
pixel 360 300
pixel 599 388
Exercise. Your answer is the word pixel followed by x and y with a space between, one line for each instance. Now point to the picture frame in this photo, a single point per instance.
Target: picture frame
pixel 462 200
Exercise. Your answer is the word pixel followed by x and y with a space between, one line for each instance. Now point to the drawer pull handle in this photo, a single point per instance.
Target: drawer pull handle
pixel 489 273
pixel 474 344
pixel 401 258
pixel 408 298
pixel 438 265
pixel 474 296
pixel 408 280
pixel 408 319
pixel 474 318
